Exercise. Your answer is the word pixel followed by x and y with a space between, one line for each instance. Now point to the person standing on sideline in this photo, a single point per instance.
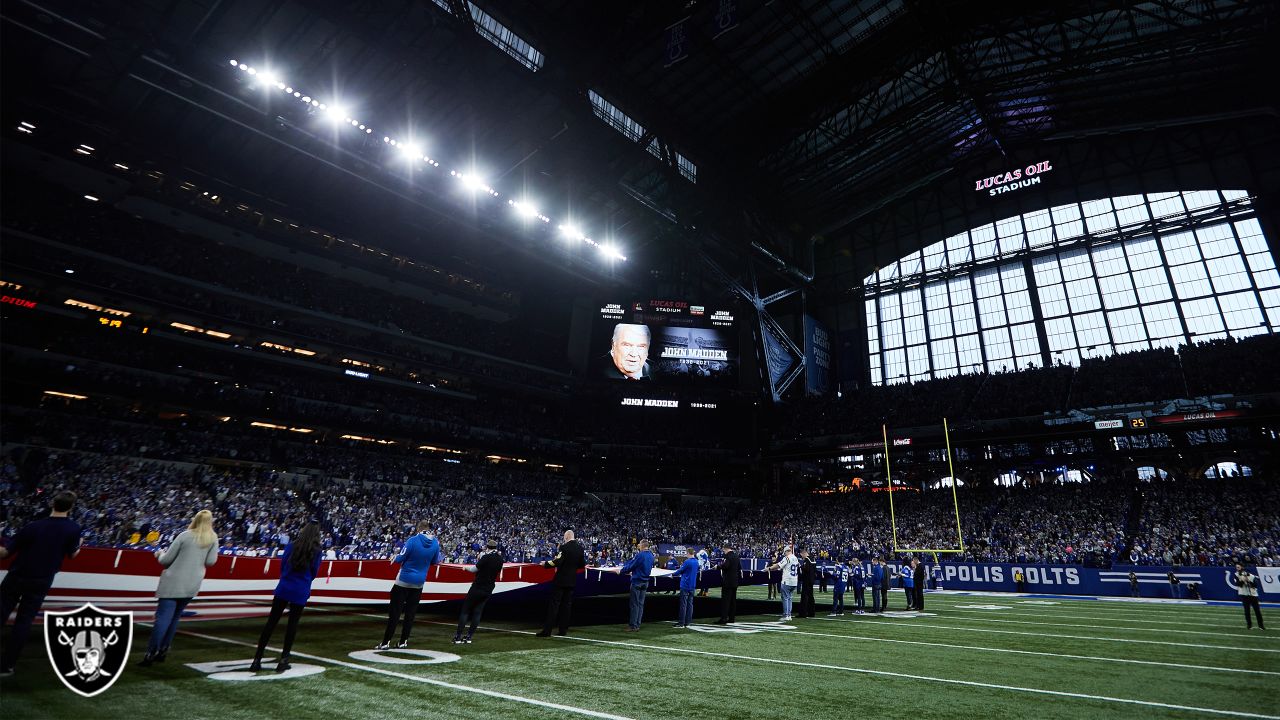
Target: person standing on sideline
pixel 298 569
pixel 568 560
pixel 688 574
pixel 704 564
pixel 730 577
pixel 1174 582
pixel 1247 586
pixel 858 578
pixel 1133 584
pixel 487 568
pixel 885 581
pixel 839 581
pixel 420 552
pixel 790 567
pixel 1019 581
pixel 195 549
pixel 640 568
pixel 877 580
pixel 909 587
pixel 807 571
pixel 918 575
pixel 40 546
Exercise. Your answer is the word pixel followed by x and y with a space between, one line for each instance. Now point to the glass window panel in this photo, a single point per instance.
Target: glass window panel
pixel 1127 326
pixel 1131 209
pixel 984 242
pixel 913 328
pixel 1039 227
pixel 918 362
pixel 1083 295
pixel 1201 199
pixel 964 319
pixel 991 312
pixel 1009 231
pixel 958 249
pixel 1066 357
pixel 1180 247
pixel 960 290
pixel 1162 320
pixel 1061 333
pixel 1143 253
pixel 1013 277
pixel 1251 237
pixel 944 353
pixel 1066 221
pixel 895 366
pixel 935 257
pixel 1216 241
pixel 969 353
pixel 1152 285
pixel 1266 278
pixel 1046 270
pixel 1132 346
pixel 1117 291
pixel 1165 204
pixel 1234 194
pixel 1190 280
pixel 871 311
pixel 1091 332
pixel 935 295
pixel 1099 216
pixel 1204 320
pixel 940 323
pixel 911 264
pixel 1228 274
pixel 1109 260
pixel 1018 306
pixel 876 377
pixel 996 343
pixel 1169 342
pixel 1024 340
pixel 1241 311
pixel 1261 261
pixel 987 282
pixel 1053 300
pixel 1075 264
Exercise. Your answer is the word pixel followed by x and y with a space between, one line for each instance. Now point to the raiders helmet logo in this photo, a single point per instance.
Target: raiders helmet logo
pixel 88 647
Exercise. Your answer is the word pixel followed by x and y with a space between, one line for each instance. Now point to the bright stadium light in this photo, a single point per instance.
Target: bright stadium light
pixel 525 209
pixel 571 231
pixel 235 63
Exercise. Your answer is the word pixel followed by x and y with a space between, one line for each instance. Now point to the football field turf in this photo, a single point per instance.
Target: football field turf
pixel 968 657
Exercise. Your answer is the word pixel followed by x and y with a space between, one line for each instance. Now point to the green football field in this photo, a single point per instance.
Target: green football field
pixel 970 657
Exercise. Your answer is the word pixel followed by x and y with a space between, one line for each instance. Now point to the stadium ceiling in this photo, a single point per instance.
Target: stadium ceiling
pixel 749 122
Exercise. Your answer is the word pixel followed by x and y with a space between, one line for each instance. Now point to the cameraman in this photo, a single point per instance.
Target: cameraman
pixel 1247 585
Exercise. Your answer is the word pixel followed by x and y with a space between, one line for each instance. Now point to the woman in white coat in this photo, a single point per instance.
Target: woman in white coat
pixel 195 549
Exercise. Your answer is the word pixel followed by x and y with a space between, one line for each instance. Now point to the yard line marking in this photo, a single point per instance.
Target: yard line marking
pixel 920 625
pixel 1112 618
pixel 896 675
pixel 1129 628
pixel 427 680
pixel 1028 652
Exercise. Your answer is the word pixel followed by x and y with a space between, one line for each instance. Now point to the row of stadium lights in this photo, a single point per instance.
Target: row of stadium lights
pixel 413 151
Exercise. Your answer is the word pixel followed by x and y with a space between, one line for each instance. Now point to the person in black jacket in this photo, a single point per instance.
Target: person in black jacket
pixel 730 574
pixel 806 584
pixel 918 575
pixel 568 560
pixel 487 568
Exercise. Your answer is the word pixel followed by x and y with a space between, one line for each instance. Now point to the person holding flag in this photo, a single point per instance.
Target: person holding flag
pixel 640 568
pixel 704 564
pixel 487 568
pixel 420 552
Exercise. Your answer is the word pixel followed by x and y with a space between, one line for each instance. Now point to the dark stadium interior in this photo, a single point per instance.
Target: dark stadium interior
pixel 984 284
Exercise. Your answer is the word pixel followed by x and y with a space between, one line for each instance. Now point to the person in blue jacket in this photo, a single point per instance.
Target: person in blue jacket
pixel 840 580
pixel 420 552
pixel 639 567
pixel 909 588
pixel 878 603
pixel 858 578
pixel 298 568
pixel 688 574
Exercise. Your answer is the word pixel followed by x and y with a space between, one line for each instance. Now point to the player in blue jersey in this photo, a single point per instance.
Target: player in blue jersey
pixel 840 581
pixel 909 588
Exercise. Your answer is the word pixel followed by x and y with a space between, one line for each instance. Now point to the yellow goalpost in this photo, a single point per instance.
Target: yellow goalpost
pixel 893 520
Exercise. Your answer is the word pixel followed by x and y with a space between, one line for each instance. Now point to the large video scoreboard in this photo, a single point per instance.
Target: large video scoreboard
pixel 665 342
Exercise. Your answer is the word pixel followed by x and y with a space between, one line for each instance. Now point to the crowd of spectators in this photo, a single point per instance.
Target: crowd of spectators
pixel 135 502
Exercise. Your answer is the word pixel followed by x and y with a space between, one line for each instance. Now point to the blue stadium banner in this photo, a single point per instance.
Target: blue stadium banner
pixel 725 18
pixel 675 42
pixel 817 357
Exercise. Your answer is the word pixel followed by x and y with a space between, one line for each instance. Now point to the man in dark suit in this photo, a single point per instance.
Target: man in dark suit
pixel 807 569
pixel 568 560
pixel 730 574
pixel 918 575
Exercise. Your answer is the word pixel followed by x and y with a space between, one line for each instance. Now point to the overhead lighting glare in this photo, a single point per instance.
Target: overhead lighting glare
pixel 91 198
pixel 66 395
pixel 121 166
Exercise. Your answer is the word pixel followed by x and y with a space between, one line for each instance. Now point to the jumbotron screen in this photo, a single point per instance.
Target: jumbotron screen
pixel 665 341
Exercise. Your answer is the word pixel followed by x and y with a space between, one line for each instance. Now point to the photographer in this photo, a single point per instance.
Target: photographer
pixel 1247 585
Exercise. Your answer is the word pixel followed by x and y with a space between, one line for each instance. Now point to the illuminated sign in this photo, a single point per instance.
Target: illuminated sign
pixel 20 302
pixel 1013 180
pixel 202 331
pixel 66 396
pixel 361 438
pixel 1108 424
pixel 356 373
pixel 96 308
pixel 1195 417
pixel 1137 423
pixel 286 348
pixel 901 441
pixel 650 402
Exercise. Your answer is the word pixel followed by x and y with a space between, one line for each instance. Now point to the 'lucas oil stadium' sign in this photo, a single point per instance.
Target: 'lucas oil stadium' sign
pixel 1013 179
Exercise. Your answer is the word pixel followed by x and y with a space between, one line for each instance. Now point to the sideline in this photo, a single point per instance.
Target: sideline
pixel 426 680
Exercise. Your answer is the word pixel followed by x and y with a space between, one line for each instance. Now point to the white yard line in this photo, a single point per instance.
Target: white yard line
pixel 901 676
pixel 1123 628
pixel 426 680
pixel 924 625
pixel 1053 613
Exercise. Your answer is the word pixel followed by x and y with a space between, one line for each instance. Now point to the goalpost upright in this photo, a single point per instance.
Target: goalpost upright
pixel 893 521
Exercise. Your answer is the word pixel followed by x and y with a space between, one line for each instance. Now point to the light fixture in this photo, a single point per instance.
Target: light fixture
pixel 571 231
pixel 91 199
